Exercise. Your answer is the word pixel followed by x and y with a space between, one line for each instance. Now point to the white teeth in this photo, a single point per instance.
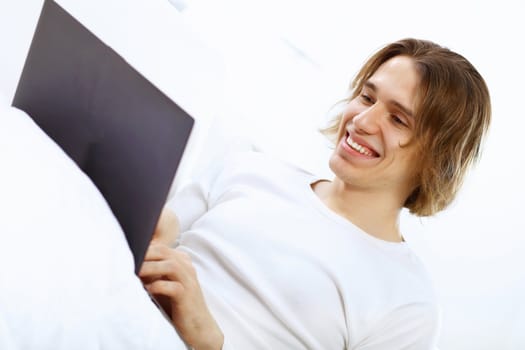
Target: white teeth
pixel 358 147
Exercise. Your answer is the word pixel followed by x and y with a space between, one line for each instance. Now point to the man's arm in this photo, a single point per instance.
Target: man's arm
pixel 169 275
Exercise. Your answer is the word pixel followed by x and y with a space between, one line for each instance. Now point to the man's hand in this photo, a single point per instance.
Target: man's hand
pixel 171 274
pixel 167 230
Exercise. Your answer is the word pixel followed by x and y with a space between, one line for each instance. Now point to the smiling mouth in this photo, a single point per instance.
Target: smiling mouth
pixel 360 148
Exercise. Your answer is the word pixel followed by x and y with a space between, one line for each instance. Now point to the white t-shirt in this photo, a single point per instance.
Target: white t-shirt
pixel 280 270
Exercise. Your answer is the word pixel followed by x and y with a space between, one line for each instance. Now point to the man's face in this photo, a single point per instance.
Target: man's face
pixel 376 126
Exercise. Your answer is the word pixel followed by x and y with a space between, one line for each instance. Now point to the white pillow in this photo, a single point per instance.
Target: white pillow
pixel 66 273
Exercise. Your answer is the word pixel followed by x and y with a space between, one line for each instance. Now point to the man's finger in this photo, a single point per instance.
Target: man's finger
pixel 157 251
pixel 172 289
pixel 167 268
pixel 167 229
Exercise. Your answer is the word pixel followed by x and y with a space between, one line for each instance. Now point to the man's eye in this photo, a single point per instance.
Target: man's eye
pixel 398 120
pixel 366 98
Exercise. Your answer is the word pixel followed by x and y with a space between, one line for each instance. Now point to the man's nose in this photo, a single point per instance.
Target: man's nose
pixel 369 119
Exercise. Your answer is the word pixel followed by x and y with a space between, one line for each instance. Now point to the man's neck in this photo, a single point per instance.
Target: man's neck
pixel 376 213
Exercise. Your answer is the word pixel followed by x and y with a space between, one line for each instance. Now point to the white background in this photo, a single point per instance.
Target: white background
pixel 265 74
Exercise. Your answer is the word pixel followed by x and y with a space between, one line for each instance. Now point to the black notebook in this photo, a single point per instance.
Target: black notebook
pixel 122 131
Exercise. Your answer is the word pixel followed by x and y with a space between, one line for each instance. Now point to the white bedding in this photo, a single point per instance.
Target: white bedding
pixel 66 272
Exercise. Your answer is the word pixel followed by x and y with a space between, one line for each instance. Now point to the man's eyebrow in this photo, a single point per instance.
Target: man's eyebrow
pixel 407 111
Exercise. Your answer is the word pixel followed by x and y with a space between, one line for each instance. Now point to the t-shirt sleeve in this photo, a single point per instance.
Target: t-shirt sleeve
pixel 227 345
pixel 411 327
pixel 189 204
pixel 192 200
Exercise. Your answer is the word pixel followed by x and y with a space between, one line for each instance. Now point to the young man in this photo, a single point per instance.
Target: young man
pixel 272 257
